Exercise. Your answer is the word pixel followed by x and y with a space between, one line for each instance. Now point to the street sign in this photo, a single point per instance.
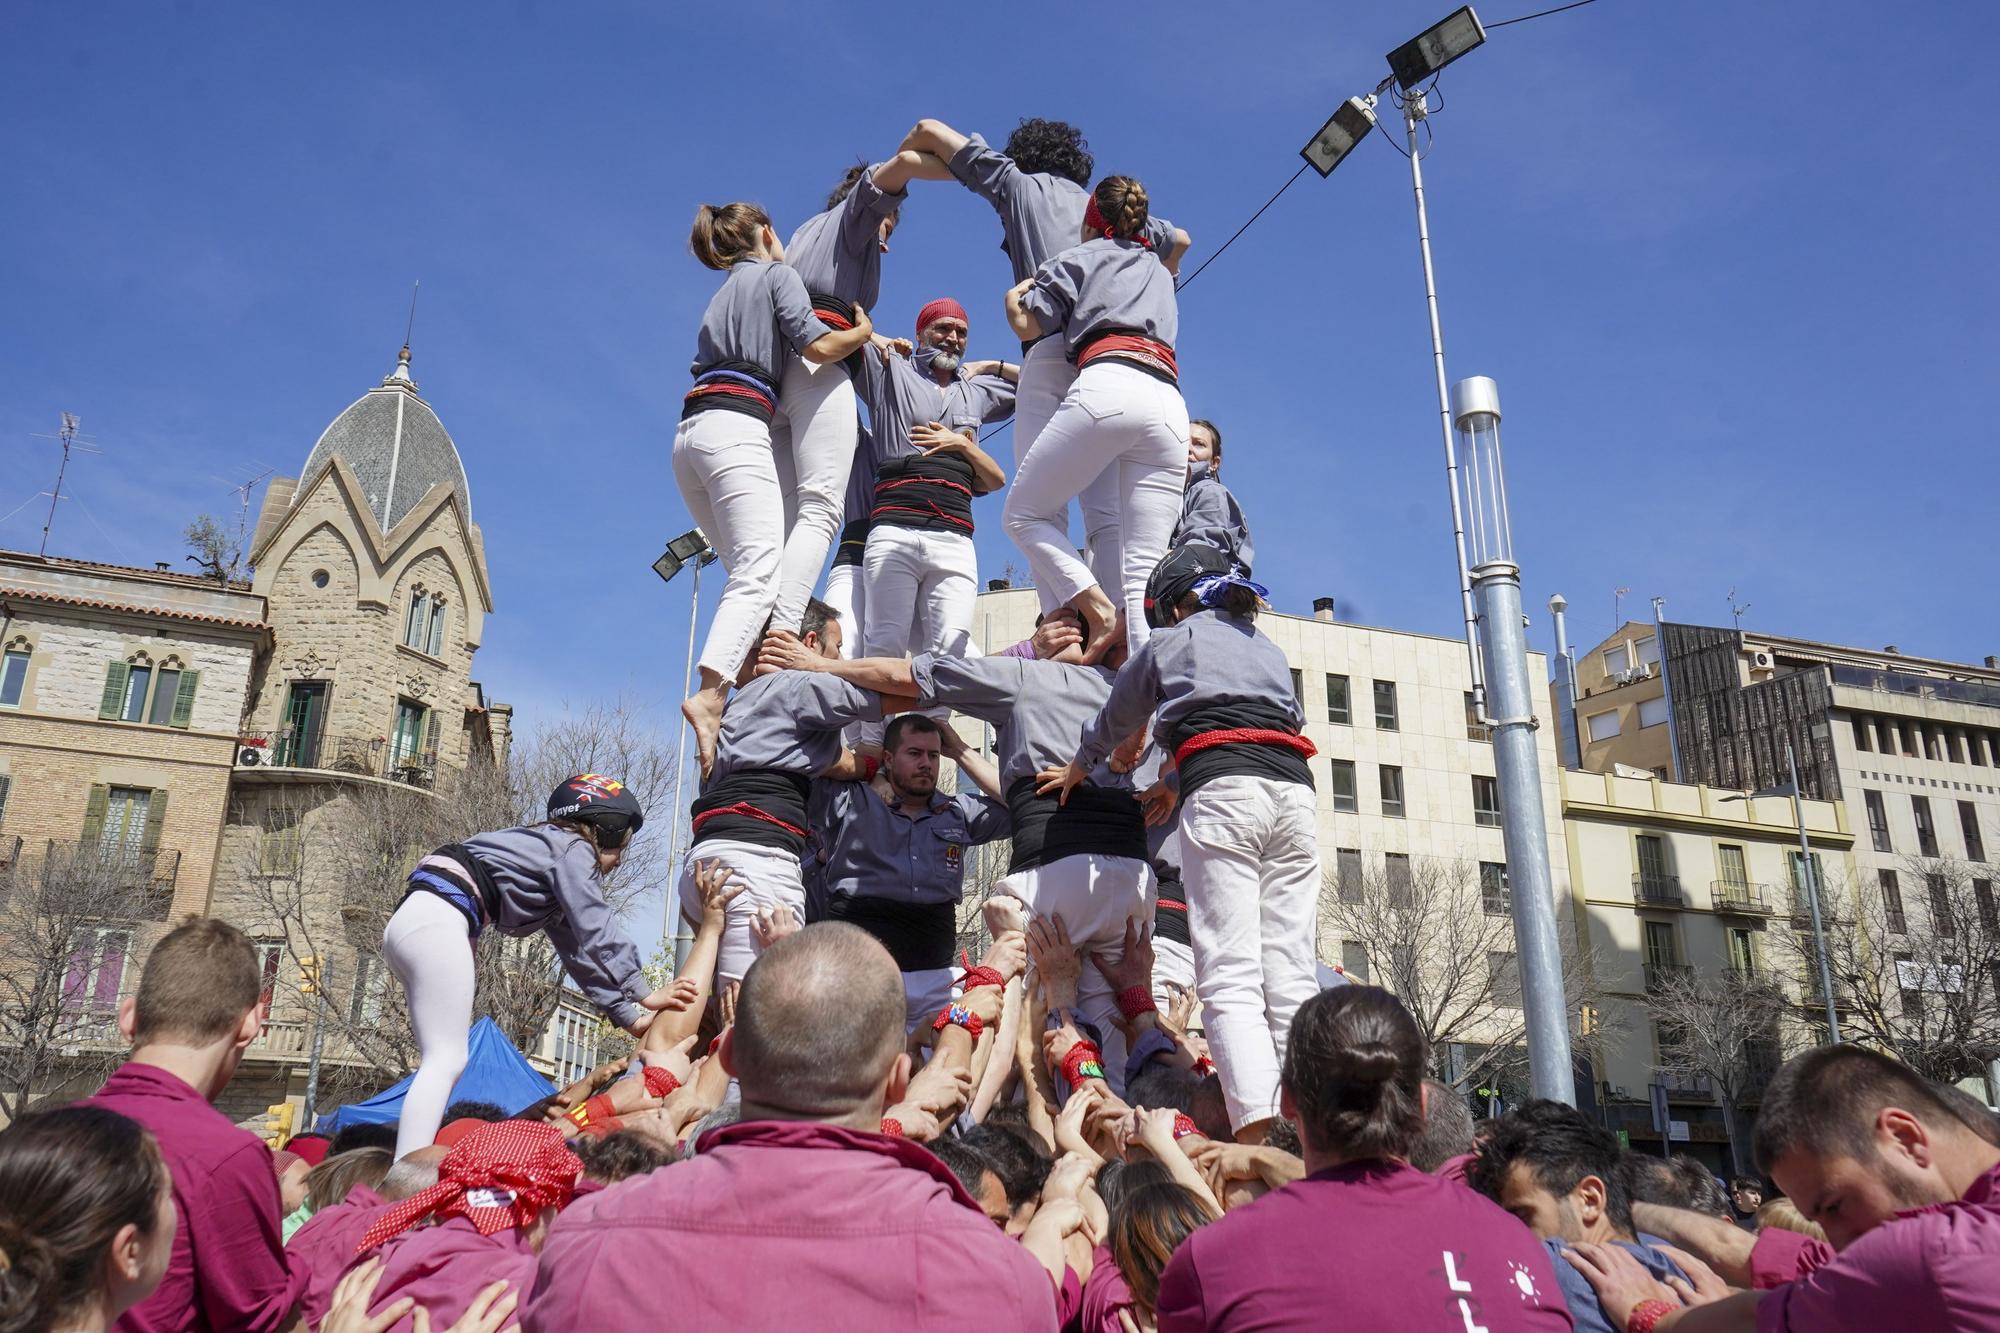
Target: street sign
pixel 1678 1131
pixel 1659 1093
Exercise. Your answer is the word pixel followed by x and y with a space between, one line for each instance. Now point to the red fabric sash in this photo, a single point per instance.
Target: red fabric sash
pixel 1244 736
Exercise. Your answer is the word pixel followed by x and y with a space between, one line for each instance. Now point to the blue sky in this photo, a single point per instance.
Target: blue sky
pixel 1731 264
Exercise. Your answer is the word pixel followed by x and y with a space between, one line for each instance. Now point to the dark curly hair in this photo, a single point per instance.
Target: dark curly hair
pixel 1051 147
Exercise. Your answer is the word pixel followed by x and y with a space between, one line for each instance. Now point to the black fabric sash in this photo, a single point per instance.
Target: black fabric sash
pixel 1101 821
pixel 1261 761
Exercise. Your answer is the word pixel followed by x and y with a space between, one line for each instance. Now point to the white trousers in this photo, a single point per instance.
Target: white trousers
pixel 426 946
pixel 848 598
pixel 812 439
pixel 1046 377
pixel 770 878
pixel 729 481
pixel 918 589
pixel 1250 868
pixel 1173 963
pixel 1095 896
pixel 1120 424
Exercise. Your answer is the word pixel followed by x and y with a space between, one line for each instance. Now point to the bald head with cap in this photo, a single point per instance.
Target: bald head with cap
pixel 819 1029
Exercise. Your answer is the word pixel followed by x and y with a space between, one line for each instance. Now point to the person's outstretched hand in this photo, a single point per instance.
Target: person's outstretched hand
pixel 768 925
pixel 940 1087
pixel 1060 782
pixel 718 888
pixel 675 1059
pixel 726 1002
pixel 1068 1177
pixel 1070 1122
pixel 1057 964
pixel 1622 1283
pixel 1125 756
pixel 1002 913
pixel 580 1091
pixel 489 1312
pixel 1157 803
pixel 1134 967
pixel 782 650
pixel 349 1313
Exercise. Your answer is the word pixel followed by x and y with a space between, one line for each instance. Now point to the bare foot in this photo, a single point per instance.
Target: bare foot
pixel 1129 751
pixel 1100 618
pixel 703 711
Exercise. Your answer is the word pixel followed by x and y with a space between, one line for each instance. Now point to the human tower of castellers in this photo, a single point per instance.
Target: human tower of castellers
pixel 1148 769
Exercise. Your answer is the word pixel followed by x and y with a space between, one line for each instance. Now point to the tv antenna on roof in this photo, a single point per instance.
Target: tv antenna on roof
pixel 1618 596
pixel 1737 609
pixel 70 441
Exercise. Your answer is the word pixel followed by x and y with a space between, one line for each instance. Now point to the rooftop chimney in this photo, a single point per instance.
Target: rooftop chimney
pixel 1992 662
pixel 1891 648
pixel 1323 609
pixel 162 566
pixel 997 585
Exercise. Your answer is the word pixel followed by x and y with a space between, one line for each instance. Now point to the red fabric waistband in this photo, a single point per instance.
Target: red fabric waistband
pixel 748 811
pixel 1146 349
pixel 1244 736
pixel 834 320
pixel 730 390
pixel 1171 904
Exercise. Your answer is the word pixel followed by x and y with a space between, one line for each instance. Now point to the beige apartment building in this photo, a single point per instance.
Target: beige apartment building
pixel 171 744
pixel 1671 878
pixel 1621 707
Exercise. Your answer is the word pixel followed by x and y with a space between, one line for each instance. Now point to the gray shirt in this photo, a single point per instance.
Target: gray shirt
pixel 761 315
pixel 546 879
pixel 875 850
pixel 1104 284
pixel 1038 708
pixel 1208 660
pixel 839 252
pixel 1041 215
pixel 902 394
pixel 789 722
pixel 1211 516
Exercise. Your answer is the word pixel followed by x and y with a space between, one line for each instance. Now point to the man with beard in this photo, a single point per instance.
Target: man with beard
pixel 919 574
pixel 896 851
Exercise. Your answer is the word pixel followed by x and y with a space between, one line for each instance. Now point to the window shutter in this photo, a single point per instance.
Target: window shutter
pixel 156 815
pixel 184 699
pixel 93 813
pixel 112 706
pixel 436 645
pixel 430 733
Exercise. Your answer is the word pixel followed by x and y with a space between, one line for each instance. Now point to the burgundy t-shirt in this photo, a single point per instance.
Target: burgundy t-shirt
pixel 228 1270
pixel 1372 1245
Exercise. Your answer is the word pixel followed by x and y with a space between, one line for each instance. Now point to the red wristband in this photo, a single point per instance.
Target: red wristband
pixel 981 976
pixel 596 1109
pixel 960 1015
pixel 1204 1066
pixel 1645 1315
pixel 1084 1061
pixel 1136 1000
pixel 660 1083
pixel 1184 1125
pixel 893 1128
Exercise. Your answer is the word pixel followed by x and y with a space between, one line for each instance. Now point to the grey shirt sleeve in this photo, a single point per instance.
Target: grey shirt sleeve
pixel 793 307
pixel 986 820
pixel 828 703
pixel 1134 696
pixel 981 687
pixel 595 952
pixel 862 213
pixel 983 170
pixel 1053 295
pixel 1160 233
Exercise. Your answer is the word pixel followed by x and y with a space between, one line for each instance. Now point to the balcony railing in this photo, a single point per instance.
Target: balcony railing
pixel 1742 898
pixel 1685 1086
pixel 1660 975
pixel 364 756
pixel 148 876
pixel 1655 890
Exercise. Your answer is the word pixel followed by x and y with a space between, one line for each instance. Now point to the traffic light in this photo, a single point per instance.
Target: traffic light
pixel 309 975
pixel 278 1124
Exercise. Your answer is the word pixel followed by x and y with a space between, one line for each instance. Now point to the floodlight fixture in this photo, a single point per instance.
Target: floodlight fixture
pixel 1337 138
pixel 1435 47
pixel 690 547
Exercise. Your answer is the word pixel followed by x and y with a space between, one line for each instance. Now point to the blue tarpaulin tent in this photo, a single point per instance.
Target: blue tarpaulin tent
pixel 494 1072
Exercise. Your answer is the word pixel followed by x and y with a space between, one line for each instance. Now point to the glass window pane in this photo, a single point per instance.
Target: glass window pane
pixel 1343 784
pixel 163 698
pixel 13 674
pixel 1392 790
pixel 436 644
pixel 1649 650
pixel 1385 704
pixel 1602 726
pixel 135 693
pixel 1652 712
pixel 1617 661
pixel 1336 700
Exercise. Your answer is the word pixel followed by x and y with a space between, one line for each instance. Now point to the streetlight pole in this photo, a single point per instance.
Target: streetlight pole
pixel 1812 901
pixel 1503 642
pixel 318 1039
pixel 683 937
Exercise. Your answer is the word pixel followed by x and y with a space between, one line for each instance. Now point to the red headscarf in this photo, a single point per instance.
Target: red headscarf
pixel 1093 218
pixel 500 1175
pixel 942 308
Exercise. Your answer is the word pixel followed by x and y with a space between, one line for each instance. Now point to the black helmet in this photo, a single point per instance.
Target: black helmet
pixel 1175 576
pixel 606 804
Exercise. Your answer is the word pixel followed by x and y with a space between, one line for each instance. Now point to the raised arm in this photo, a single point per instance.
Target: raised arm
pixel 935 138
pixel 782 651
pixel 908 165
pixel 1026 326
pixel 1175 251
pixel 839 344
pixel 970 762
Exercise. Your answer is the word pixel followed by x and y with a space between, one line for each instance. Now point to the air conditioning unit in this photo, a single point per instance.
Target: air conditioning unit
pixel 1761 660
pixel 252 756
